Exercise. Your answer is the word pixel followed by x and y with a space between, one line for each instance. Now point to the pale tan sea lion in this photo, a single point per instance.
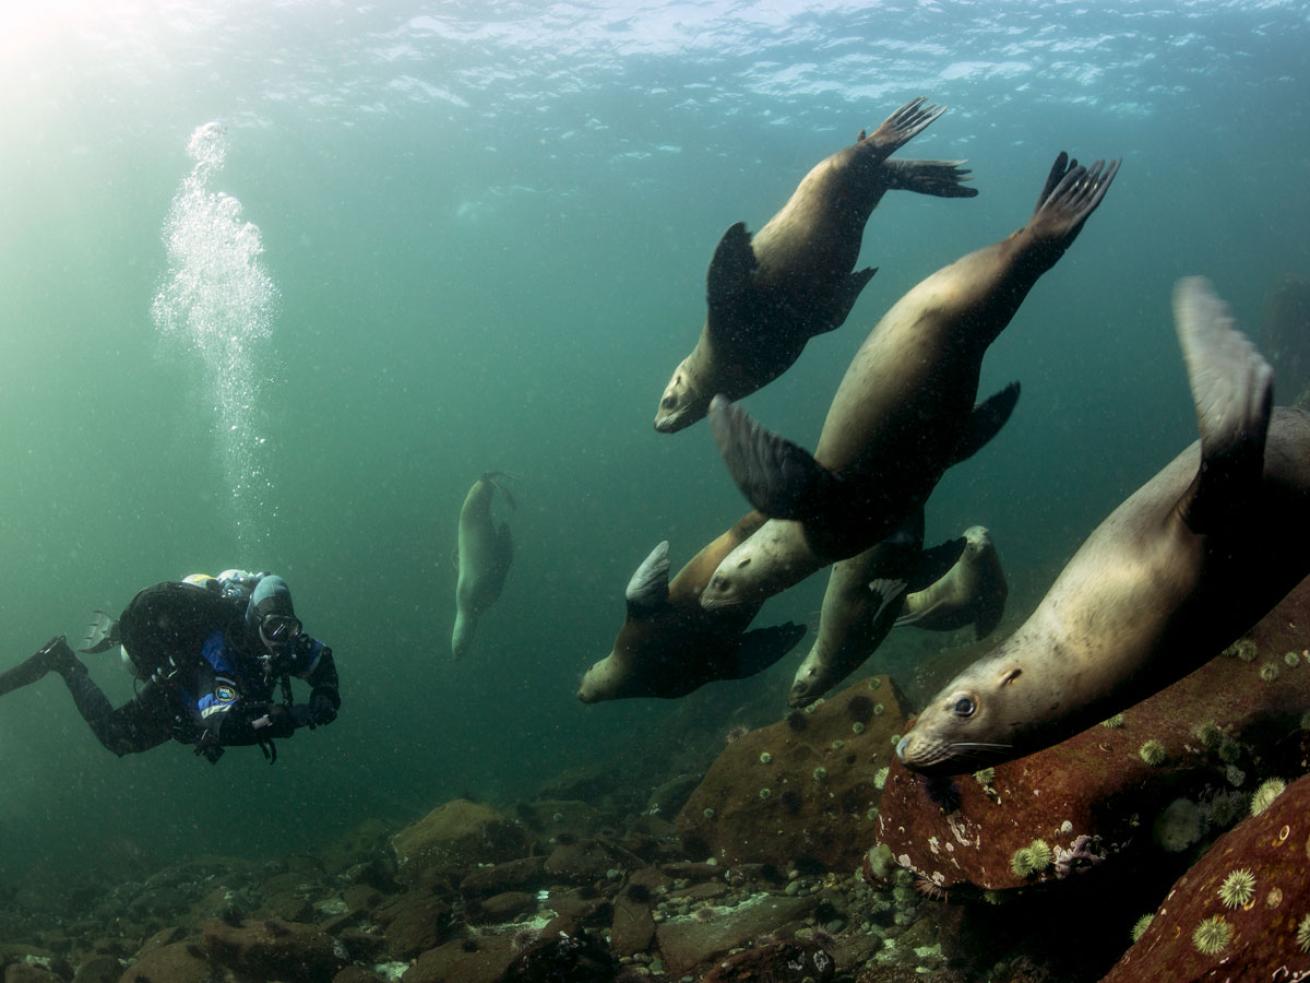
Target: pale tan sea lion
pixel 973 592
pixel 901 415
pixel 669 645
pixel 1186 565
pixel 485 552
pixel 771 293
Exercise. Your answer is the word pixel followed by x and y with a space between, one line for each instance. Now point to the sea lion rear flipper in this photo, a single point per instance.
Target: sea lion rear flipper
pixel 1233 389
pixel 902 126
pixel 848 294
pixel 730 272
pixel 936 562
pixel 940 178
pixel 762 647
pixel 777 477
pixel 101 634
pixel 986 421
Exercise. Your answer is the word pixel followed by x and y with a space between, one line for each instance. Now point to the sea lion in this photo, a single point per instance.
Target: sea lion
pixel 669 645
pixel 485 552
pixel 901 415
pixel 769 294
pixel 1186 565
pixel 972 592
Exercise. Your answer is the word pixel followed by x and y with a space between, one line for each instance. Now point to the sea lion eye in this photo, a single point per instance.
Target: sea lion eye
pixel 964 707
pixel 668 402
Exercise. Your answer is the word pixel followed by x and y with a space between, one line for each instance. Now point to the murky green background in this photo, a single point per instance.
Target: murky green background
pixel 487 225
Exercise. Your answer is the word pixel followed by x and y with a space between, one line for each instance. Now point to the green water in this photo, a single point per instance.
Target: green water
pixel 487 226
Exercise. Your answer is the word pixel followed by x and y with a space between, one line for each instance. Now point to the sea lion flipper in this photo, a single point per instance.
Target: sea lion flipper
pixel 846 297
pixel 986 421
pixel 886 593
pixel 1232 387
pixel 762 647
pixel 903 125
pixel 777 477
pixel 730 272
pixel 940 178
pixel 649 587
pixel 935 562
pixel 1071 193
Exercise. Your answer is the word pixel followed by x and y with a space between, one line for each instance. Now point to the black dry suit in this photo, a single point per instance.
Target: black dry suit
pixel 209 680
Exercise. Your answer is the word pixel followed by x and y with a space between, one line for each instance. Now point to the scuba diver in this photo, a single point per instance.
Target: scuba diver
pixel 209 653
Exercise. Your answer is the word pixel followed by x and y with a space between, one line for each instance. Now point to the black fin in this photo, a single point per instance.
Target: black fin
pixel 762 647
pixel 904 125
pixel 1233 389
pixel 730 272
pixel 855 283
pixel 936 562
pixel 777 477
pixel 986 421
pixel 939 178
pixel 35 666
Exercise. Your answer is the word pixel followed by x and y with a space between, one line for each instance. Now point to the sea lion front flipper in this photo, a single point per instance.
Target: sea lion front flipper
pixel 846 297
pixel 648 588
pixel 777 477
pixel 730 272
pixel 101 634
pixel 939 178
pixel 886 592
pixel 936 562
pixel 762 647
pixel 902 126
pixel 1233 389
pixel 986 421
pixel 1071 193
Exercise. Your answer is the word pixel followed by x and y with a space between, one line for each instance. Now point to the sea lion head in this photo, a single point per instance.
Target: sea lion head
pixel 628 670
pixel 682 403
pixel 747 575
pixel 977 539
pixel 972 722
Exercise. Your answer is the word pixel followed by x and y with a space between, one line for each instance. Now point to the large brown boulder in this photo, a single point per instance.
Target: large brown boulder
pixel 177 962
pixel 802 790
pixel 1101 795
pixel 454 838
pixel 271 949
pixel 1242 913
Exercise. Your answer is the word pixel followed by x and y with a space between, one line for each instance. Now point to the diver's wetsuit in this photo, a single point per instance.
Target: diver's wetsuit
pixel 221 691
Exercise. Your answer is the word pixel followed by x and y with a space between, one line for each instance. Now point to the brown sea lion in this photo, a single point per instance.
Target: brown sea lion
pixel 669 645
pixel 901 415
pixel 972 592
pixel 485 552
pixel 1186 565
pixel 771 293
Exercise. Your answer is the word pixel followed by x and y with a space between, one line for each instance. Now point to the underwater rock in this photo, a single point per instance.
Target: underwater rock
pixel 633 928
pixel 99 969
pixel 473 960
pixel 27 973
pixel 270 949
pixel 803 790
pixel 505 906
pixel 1113 789
pixel 777 962
pixel 577 959
pixel 414 923
pixel 177 962
pixel 524 874
pixel 356 974
pixel 688 941
pixel 584 861
pixel 456 836
pixel 1242 913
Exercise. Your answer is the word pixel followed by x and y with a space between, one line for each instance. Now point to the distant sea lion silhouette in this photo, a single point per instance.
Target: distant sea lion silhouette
pixel 770 294
pixel 1186 565
pixel 901 415
pixel 669 645
pixel 485 553
pixel 972 592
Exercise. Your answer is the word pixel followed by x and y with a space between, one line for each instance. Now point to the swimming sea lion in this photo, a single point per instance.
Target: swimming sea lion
pixel 485 552
pixel 669 645
pixel 1182 568
pixel 901 415
pixel 769 294
pixel 973 591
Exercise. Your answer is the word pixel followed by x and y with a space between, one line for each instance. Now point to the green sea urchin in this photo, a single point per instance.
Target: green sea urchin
pixel 1039 853
pixel 1211 936
pixel 765 757
pixel 819 773
pixel 1238 888
pixel 1303 934
pixel 1269 671
pixel 1264 796
pixel 1209 735
pixel 1114 722
pixel 985 776
pixel 1244 649
pixel 1141 925
pixel 1021 863
pixel 1292 659
pixel 1153 753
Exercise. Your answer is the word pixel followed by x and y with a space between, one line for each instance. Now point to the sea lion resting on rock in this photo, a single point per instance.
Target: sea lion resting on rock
pixel 770 294
pixel 1189 562
pixel 898 583
pixel 485 552
pixel 669 645
pixel 901 415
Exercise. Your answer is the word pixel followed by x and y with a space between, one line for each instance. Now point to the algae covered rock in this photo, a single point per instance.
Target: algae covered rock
pixel 456 837
pixel 1243 912
pixel 803 790
pixel 177 962
pixel 1164 775
pixel 271 949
